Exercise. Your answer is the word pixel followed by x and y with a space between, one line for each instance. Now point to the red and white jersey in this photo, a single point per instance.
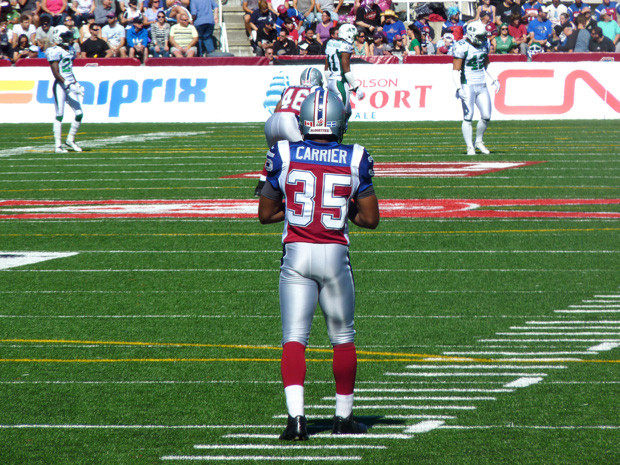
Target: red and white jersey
pixel 293 97
pixel 317 181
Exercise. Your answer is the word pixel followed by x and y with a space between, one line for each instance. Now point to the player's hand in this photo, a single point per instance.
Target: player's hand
pixel 460 94
pixel 76 89
pixel 359 93
pixel 496 85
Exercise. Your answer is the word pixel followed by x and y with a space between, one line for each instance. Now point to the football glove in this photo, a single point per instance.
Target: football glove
pixel 359 93
pixel 76 89
pixel 460 94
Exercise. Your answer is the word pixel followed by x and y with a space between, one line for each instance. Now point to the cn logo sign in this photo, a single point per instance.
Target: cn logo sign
pixel 569 92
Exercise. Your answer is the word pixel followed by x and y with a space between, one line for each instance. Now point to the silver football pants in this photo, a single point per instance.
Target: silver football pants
pixel 282 126
pixel 476 94
pixel 312 273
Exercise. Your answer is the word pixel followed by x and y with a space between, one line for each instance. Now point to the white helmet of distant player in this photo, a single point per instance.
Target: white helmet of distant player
pixel 322 116
pixel 476 33
pixel 311 77
pixel 347 32
pixel 62 36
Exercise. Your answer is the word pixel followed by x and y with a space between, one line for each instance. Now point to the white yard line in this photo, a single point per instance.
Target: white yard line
pixel 424 398
pixel 498 366
pixel 285 447
pixel 432 375
pixel 261 458
pixel 92 144
pixel 397 407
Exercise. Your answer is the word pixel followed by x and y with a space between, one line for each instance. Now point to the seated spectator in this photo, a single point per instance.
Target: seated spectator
pixel 309 45
pixel 94 46
pixel 421 22
pixel 306 9
pixel 55 10
pixel 131 12
pixel 554 11
pixel 490 27
pixel 610 29
pixel 428 46
pixel 124 5
pixel 293 33
pixel 579 40
pixel 530 10
pixel 159 34
pixel 183 38
pixel 6 49
pixel 114 34
pixel 368 18
pixel 323 27
pixel 600 43
pixel 610 7
pixel 81 9
pixel 333 34
pixel 43 36
pixel 261 15
pixel 174 9
pixel 576 9
pixel 328 6
pixel 399 49
pixel 504 43
pixel 26 28
pixel 30 8
pixel 518 31
pixel 286 12
pixel 540 29
pixel 378 44
pixel 445 45
pixel 415 40
pixel 283 45
pixel 21 51
pixel 360 46
pixel 266 37
pixel 70 25
pixel 248 7
pixel 85 29
pixel 138 40
pixel 505 11
pixel 590 22
pixel 269 54
pixel 392 26
pixel 487 8
pixel 102 11
pixel 564 21
pixel 150 14
pixel 454 20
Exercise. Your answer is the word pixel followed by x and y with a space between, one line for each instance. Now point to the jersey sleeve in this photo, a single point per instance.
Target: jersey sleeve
pixel 459 49
pixel 366 172
pixel 273 166
pixel 52 54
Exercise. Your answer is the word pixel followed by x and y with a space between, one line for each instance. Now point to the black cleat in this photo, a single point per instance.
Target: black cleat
pixel 295 429
pixel 348 426
pixel 259 188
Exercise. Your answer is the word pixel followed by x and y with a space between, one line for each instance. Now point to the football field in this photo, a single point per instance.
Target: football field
pixel 139 314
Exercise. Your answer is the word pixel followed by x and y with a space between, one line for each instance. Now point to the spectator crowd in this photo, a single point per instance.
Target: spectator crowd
pixel 184 28
pixel 110 28
pixel 302 27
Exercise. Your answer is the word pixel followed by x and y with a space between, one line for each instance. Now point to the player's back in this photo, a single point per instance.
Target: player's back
pixel 334 50
pixel 293 97
pixel 318 180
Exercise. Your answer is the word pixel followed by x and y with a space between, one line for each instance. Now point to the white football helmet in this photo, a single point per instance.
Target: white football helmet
pixel 476 33
pixel 347 32
pixel 61 35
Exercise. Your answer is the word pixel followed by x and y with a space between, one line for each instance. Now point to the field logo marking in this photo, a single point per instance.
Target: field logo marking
pixel 430 169
pixel 236 208
pixel 14 259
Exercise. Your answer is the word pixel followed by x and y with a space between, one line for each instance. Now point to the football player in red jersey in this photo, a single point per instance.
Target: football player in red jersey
pixel 314 186
pixel 284 123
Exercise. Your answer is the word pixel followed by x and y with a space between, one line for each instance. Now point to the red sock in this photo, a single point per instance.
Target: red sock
pixel 293 365
pixel 345 368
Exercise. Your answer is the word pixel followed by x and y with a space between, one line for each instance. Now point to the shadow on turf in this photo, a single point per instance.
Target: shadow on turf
pixel 321 426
